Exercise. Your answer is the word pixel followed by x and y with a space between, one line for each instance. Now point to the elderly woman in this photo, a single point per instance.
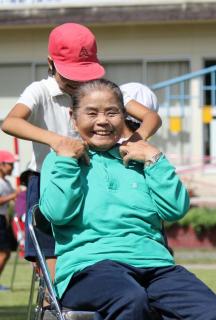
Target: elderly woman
pixel 107 218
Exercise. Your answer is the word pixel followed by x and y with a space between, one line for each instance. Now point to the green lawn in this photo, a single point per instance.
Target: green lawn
pixel 13 304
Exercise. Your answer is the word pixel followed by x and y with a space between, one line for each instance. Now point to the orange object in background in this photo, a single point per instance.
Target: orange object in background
pixel 175 124
pixel 207 114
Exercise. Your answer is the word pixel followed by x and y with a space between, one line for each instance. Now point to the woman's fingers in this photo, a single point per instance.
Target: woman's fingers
pixel 125 154
pixel 123 150
pixel 140 151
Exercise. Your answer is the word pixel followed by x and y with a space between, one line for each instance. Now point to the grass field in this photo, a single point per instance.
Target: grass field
pixel 13 304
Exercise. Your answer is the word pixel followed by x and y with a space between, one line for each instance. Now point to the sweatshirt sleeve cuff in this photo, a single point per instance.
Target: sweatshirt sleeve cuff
pixel 158 167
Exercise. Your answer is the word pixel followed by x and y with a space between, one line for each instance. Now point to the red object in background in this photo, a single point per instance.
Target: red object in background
pixel 16 151
pixel 18 224
pixel 179 237
pixel 18 227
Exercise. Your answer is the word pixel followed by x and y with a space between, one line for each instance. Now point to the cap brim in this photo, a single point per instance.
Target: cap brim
pixel 7 161
pixel 80 72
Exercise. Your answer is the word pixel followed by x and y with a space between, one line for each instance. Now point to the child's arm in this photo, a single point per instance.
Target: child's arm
pixel 16 124
pixel 150 120
pixel 8 198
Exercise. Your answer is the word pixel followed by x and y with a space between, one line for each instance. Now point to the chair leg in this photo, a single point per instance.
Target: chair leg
pixel 14 268
pixel 37 313
pixel 40 299
pixel 31 294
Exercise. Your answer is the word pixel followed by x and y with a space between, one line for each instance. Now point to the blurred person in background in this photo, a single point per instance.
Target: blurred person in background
pixel 7 194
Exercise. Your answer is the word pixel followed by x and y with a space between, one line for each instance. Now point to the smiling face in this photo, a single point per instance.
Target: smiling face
pixel 6 169
pixel 99 118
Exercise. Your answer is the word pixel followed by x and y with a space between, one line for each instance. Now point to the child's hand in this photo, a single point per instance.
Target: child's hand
pixel 72 148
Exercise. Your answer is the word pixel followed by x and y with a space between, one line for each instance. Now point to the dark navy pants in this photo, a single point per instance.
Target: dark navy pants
pixel 121 292
pixel 47 242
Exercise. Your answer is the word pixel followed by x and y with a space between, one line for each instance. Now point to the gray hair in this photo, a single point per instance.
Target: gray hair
pixel 92 85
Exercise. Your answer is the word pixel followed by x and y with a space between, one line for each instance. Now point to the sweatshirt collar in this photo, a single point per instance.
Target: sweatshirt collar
pixel 114 152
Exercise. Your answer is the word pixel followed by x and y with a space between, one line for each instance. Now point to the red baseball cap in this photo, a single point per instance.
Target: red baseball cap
pixel 6 156
pixel 73 50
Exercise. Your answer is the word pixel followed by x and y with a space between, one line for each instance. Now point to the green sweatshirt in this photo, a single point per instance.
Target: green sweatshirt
pixel 109 211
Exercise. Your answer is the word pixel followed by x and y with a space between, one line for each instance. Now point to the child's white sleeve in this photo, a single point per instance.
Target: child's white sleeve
pixel 140 93
pixel 126 97
pixel 31 96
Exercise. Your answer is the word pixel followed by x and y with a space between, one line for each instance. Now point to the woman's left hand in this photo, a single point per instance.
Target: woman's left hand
pixel 141 151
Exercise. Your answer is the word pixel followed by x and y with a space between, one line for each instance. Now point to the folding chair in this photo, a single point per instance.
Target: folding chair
pixel 35 221
pixel 55 312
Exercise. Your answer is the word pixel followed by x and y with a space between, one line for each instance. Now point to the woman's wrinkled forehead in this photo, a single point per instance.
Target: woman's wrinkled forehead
pixel 97 94
pixel 101 85
pixel 98 91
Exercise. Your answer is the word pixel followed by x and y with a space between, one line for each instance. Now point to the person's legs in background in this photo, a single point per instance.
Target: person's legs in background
pixel 4 256
pixel 4 247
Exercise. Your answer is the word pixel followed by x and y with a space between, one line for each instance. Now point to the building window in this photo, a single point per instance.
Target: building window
pixel 41 71
pixel 19 76
pixel 13 79
pixel 158 71
pixel 120 73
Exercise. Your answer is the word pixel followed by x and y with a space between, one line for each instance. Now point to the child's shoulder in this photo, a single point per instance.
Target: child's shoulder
pixel 39 83
pixel 40 90
pixel 36 86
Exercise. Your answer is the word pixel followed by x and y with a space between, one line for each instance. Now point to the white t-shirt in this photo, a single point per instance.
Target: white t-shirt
pixel 5 189
pixel 50 110
pixel 142 94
